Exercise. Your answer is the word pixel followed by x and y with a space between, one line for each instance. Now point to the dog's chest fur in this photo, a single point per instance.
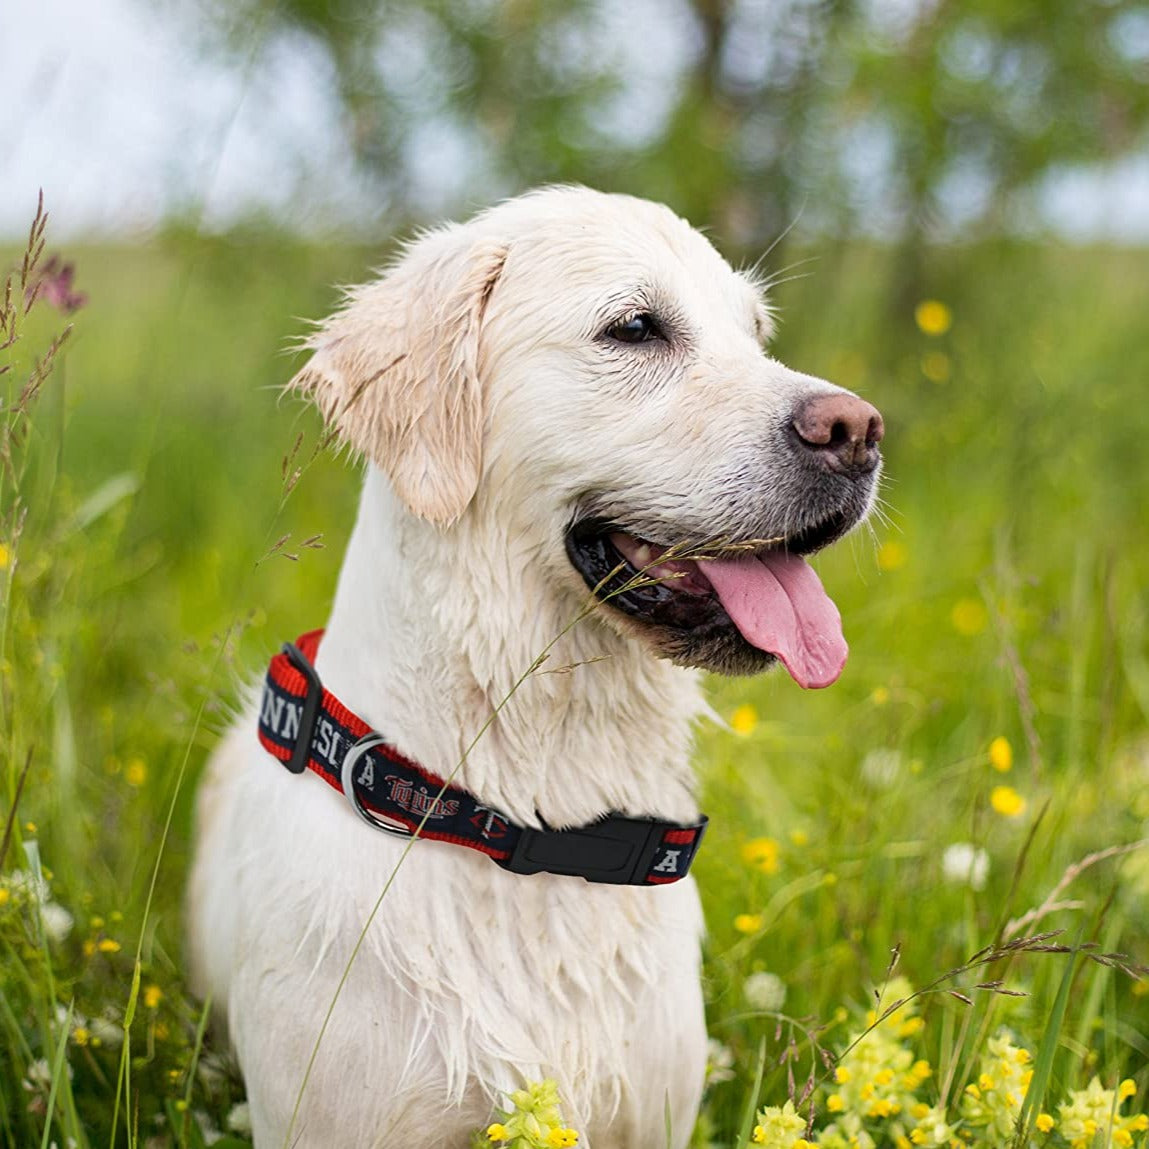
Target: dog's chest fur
pixel 468 975
pixel 469 978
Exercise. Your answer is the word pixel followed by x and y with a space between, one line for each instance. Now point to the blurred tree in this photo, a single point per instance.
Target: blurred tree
pixel 908 119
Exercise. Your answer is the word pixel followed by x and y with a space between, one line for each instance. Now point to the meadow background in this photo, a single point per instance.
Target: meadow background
pixel 980 774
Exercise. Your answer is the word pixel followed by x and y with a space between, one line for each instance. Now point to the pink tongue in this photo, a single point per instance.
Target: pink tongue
pixel 779 605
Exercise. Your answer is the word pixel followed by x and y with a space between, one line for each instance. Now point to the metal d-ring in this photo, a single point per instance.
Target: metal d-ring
pixel 367 742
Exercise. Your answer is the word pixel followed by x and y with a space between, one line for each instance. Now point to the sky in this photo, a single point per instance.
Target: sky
pixel 116 114
pixel 114 111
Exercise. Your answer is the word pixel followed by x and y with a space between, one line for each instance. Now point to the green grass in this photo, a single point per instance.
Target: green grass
pixel 1001 598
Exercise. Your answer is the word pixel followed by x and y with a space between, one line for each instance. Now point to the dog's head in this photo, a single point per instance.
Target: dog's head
pixel 589 370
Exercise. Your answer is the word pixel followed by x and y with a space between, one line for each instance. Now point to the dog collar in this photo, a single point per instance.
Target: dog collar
pixel 307 728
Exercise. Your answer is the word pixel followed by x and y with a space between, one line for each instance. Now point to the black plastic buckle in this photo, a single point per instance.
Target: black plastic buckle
pixel 312 705
pixel 618 851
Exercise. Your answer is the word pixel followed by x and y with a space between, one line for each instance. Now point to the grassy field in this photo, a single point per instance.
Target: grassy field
pixel 988 739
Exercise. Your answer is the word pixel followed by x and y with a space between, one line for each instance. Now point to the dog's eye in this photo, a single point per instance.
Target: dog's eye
pixel 639 328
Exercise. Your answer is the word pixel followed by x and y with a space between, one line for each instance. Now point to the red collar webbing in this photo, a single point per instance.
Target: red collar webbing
pixel 307 727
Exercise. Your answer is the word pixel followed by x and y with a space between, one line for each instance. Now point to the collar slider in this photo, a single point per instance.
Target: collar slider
pixel 312 705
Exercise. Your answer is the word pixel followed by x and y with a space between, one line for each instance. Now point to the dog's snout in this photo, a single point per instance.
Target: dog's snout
pixel 842 430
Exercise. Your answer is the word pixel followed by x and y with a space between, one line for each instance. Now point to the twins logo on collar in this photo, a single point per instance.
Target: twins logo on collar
pixel 616 849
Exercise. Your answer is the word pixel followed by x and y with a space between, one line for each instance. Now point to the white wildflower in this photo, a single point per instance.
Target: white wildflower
pixel 967 864
pixel 57 921
pixel 23 882
pixel 38 1079
pixel 765 991
pixel 39 1076
pixel 882 767
pixel 239 1118
pixel 108 1032
pixel 719 1062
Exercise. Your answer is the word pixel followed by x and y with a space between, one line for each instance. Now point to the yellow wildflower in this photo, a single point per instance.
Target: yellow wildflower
pixel 799 838
pixel 744 719
pixel 1001 755
pixel 5 557
pixel 917 1073
pixel 748 923
pixel 4 895
pixel 968 616
pixel 108 946
pixel 561 1138
pixel 933 1130
pixel 777 1126
pixel 933 317
pixel 762 854
pixel 892 555
pixel 994 1103
pixel 1044 1122
pixel 136 772
pixel 153 995
pixel 1007 801
pixel 1127 1089
pixel 936 366
pixel 81 1035
pixel 835 1103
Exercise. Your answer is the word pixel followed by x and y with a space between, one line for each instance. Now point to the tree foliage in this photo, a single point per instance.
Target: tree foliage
pixel 908 118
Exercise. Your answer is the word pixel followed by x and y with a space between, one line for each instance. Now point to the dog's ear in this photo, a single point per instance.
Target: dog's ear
pixel 396 371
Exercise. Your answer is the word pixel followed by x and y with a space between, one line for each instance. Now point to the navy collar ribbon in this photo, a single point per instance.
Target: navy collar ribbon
pixel 307 728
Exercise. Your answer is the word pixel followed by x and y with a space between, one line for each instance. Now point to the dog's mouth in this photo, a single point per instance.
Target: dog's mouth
pixel 727 605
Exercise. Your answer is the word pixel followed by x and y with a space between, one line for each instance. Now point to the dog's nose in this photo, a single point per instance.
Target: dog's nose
pixel 841 430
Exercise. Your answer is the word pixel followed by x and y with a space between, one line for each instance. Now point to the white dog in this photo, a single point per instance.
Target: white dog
pixel 550 398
